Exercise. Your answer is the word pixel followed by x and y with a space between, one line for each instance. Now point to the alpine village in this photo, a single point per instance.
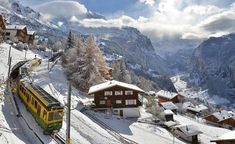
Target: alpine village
pixel 76 84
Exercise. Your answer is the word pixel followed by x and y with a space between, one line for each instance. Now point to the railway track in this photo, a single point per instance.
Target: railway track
pixel 58 138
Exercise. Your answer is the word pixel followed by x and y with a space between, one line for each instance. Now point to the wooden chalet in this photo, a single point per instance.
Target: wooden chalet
pixel 187 132
pixel 16 33
pixel 228 138
pixel 2 27
pixel 221 118
pixel 121 98
pixel 228 122
pixel 166 96
pixel 30 37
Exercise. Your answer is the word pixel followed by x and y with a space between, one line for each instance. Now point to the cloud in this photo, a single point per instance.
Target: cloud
pixel 64 9
pixel 148 2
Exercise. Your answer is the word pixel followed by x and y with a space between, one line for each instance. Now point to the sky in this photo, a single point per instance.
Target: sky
pixel 186 19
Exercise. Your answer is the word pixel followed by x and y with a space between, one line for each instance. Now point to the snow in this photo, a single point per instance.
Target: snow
pixel 229 135
pixel 168 112
pixel 221 115
pixel 169 106
pixel 197 108
pixel 16 27
pixel 110 84
pixel 183 89
pixel 166 94
pixel 209 132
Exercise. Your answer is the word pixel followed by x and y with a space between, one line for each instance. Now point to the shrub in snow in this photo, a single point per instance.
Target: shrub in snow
pixel 41 48
pixel 20 46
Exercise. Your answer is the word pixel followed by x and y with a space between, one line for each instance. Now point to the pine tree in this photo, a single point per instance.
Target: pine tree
pixel 124 73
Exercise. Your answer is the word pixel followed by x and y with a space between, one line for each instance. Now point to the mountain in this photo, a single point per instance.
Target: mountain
pixel 213 66
pixel 128 42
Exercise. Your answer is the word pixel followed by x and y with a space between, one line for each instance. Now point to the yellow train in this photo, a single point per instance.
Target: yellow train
pixel 46 110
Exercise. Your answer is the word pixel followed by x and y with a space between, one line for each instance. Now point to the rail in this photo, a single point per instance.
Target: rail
pixel 58 138
pixel 110 130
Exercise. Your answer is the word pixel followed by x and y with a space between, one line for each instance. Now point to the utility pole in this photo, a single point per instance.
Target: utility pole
pixel 68 115
pixel 9 55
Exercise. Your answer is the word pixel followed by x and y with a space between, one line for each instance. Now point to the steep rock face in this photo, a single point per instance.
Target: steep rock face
pixel 214 66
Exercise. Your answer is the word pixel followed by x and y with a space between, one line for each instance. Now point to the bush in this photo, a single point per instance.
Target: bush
pixel 20 46
pixel 41 48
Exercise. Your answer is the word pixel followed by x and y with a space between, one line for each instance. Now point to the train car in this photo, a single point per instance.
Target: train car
pixel 46 110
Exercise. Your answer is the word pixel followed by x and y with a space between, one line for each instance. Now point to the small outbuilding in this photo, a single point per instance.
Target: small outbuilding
pixel 187 132
pixel 169 106
pixel 169 115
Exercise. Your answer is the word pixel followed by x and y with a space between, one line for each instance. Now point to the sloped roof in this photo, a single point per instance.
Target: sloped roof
pixel 197 108
pixel 228 136
pixel 222 115
pixel 16 27
pixel 30 32
pixel 167 94
pixel 188 130
pixel 112 83
pixel 169 105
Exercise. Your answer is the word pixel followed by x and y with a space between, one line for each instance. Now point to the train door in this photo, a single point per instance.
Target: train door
pixel 39 110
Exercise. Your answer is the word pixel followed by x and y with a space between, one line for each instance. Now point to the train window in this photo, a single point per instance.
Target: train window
pixel 36 104
pixel 50 117
pixel 58 115
pixel 28 98
pixel 33 101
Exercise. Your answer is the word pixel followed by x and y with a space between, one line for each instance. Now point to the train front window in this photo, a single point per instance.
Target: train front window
pixel 57 115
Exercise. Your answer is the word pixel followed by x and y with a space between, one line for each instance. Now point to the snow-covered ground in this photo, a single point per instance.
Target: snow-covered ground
pixel 141 133
pixel 181 87
pixel 13 130
pixel 209 132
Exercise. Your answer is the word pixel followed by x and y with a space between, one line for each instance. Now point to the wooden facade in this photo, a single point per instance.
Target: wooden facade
pixel 211 119
pixel 30 37
pixel 16 33
pixel 175 99
pixel 115 100
pixel 2 27
pixel 229 122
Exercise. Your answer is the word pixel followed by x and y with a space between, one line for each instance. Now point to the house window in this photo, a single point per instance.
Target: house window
pixel 102 102
pixel 118 101
pixel 8 33
pixel 131 102
pixel 106 93
pixel 129 92
pixel 118 92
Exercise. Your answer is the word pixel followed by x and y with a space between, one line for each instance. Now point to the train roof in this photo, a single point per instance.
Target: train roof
pixel 43 96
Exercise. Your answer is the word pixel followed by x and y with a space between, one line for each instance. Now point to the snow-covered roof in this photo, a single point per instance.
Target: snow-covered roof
pixel 168 112
pixel 112 83
pixel 188 130
pixel 197 108
pixel 30 32
pixel 221 115
pixel 169 106
pixel 228 136
pixel 167 94
pixel 15 27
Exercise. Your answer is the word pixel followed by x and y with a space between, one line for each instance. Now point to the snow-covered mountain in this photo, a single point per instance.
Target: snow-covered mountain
pixel 214 66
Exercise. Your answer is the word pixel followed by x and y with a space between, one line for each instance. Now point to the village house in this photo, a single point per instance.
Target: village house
pixel 16 33
pixel 228 122
pixel 169 106
pixel 2 27
pixel 198 110
pixel 228 138
pixel 30 37
pixel 187 132
pixel 221 118
pixel 121 98
pixel 168 115
pixel 165 96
